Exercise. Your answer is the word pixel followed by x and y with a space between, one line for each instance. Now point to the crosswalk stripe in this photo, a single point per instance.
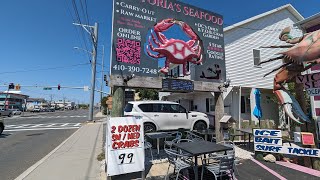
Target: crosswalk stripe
pixel 34 129
pixel 37 125
pixel 77 124
pixel 51 125
pixel 65 124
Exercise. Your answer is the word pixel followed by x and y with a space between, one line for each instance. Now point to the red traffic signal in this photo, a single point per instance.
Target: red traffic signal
pixel 58 86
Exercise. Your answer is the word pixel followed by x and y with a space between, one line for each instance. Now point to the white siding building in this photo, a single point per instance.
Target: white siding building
pixel 242 54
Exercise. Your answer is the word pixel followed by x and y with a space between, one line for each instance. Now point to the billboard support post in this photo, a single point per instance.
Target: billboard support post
pixel 219 112
pixel 118 101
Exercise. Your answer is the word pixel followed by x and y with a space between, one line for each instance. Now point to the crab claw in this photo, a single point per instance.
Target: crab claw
pixel 284 35
pixel 164 25
pixel 291 106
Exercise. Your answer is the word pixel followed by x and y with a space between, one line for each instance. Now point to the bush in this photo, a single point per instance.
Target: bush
pixel 105 112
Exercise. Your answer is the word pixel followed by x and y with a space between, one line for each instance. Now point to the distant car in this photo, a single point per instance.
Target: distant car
pixel 36 110
pixel 1 125
pixel 15 111
pixel 51 109
pixel 166 115
pixel 4 112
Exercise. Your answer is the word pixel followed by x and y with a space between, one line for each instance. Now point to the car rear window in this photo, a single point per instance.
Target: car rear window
pixel 128 107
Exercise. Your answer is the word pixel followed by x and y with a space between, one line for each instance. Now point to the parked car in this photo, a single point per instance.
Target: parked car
pixel 166 115
pixel 52 109
pixel 15 111
pixel 5 112
pixel 36 110
pixel 1 125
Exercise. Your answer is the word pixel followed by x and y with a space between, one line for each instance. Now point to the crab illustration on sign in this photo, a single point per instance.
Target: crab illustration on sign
pixel 175 51
pixel 306 50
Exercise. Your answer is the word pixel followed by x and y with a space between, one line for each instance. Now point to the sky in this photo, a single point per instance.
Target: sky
pixel 37 40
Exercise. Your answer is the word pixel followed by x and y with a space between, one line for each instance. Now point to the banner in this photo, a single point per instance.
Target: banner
pixel 125 145
pixel 149 35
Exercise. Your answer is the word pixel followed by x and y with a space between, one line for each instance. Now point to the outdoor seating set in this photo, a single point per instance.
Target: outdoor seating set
pixel 185 153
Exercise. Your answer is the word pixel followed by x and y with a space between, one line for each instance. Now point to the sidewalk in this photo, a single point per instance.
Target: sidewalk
pixel 75 158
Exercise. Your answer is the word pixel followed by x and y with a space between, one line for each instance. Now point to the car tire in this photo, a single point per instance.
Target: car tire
pixel 10 115
pixel 149 127
pixel 1 128
pixel 200 125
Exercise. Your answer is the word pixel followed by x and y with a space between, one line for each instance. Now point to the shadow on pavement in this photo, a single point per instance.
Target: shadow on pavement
pixel 4 135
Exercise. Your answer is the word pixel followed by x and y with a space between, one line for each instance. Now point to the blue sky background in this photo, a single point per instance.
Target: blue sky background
pixel 39 34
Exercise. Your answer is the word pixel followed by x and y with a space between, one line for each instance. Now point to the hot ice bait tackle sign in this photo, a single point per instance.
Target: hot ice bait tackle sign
pixel 148 34
pixel 125 145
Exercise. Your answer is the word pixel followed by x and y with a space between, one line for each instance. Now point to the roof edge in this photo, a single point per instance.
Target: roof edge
pixel 287 6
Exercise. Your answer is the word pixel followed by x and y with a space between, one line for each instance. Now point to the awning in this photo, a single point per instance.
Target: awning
pixel 226 119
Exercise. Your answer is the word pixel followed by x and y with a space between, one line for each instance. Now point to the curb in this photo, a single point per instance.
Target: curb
pixel 33 167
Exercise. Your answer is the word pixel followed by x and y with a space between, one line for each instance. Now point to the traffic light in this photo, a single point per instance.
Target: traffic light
pixel 105 78
pixel 58 86
pixel 106 83
pixel 11 86
pixel 17 87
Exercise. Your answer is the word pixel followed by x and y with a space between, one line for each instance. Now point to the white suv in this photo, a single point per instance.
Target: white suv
pixel 166 115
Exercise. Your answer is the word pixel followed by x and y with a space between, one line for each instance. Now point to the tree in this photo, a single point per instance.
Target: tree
pixel 148 94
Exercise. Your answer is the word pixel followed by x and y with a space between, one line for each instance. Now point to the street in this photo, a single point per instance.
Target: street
pixel 29 138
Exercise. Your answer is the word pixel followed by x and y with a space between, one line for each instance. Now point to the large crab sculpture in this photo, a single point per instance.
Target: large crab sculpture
pixel 302 50
pixel 175 51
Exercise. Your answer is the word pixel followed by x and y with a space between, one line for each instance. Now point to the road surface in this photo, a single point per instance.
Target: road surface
pixel 28 139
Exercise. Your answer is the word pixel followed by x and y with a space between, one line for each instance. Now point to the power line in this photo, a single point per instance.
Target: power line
pixel 85 11
pixel 79 21
pixel 42 69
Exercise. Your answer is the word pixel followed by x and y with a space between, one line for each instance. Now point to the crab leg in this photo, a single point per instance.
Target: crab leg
pixel 283 46
pixel 189 31
pixel 166 67
pixel 154 56
pixel 154 39
pixel 272 59
pixel 283 65
pixel 185 72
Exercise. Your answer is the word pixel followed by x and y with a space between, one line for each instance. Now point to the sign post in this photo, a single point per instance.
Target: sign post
pixel 125 146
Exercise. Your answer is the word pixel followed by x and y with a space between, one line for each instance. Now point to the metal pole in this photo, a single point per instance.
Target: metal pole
pixel 102 68
pixel 239 107
pixel 93 65
pixel 5 101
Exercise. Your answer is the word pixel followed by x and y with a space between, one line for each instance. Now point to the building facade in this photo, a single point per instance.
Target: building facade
pixel 36 103
pixel 13 100
pixel 242 55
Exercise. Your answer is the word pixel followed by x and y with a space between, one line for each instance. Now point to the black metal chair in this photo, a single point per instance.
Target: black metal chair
pixel 176 136
pixel 147 145
pixel 194 137
pixel 178 161
pixel 219 166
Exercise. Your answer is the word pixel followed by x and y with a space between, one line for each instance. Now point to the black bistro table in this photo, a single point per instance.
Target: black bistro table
pixel 205 132
pixel 197 148
pixel 160 135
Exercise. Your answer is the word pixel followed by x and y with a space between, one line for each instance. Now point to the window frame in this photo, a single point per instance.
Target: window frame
pixel 256 57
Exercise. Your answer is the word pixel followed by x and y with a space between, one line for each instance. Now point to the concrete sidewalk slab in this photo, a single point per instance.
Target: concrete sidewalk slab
pixel 76 158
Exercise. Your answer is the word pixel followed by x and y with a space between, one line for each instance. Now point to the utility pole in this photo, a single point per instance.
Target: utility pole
pixel 102 74
pixel 94 37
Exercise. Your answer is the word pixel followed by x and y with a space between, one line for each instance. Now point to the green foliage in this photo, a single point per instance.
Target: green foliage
pixel 148 94
pixel 104 102
pixel 84 106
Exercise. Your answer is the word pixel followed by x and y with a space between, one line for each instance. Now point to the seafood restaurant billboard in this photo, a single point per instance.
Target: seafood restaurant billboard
pixel 151 35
